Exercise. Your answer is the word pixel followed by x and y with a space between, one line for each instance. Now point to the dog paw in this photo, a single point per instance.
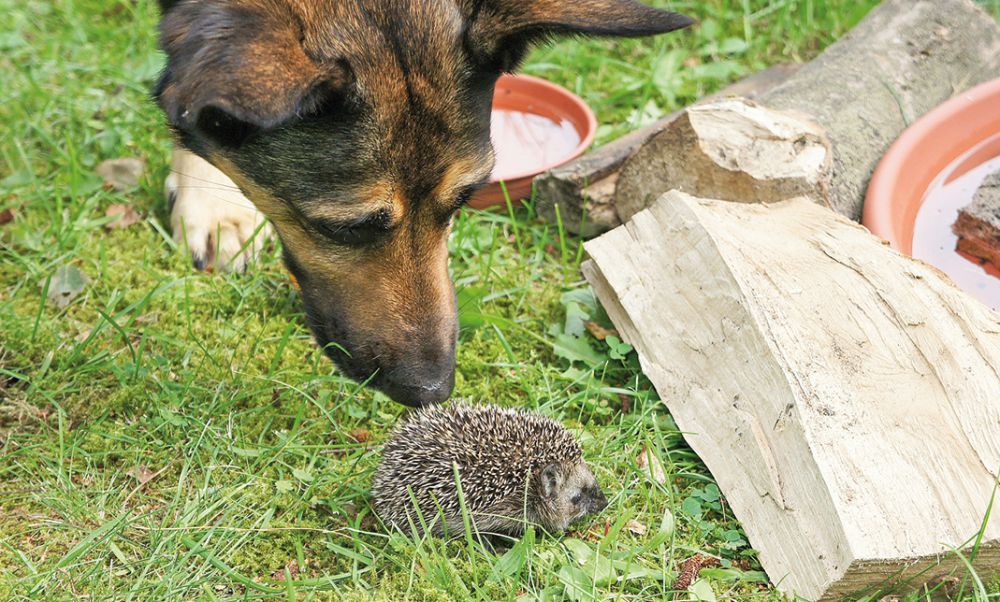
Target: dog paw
pixel 210 217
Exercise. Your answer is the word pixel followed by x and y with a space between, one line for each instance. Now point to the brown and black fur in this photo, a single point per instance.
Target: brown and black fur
pixel 359 127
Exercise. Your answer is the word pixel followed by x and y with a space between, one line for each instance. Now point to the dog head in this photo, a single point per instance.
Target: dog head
pixel 360 127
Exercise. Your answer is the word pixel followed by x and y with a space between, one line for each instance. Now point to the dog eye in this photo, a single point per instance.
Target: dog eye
pixel 363 232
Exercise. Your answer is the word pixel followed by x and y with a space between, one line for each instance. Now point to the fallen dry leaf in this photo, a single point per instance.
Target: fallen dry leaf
pixel 141 473
pixel 636 527
pixel 690 569
pixel 7 215
pixel 126 216
pixel 651 466
pixel 599 332
pixel 293 571
pixel 360 435
pixel 123 173
pixel 67 282
pixel 626 403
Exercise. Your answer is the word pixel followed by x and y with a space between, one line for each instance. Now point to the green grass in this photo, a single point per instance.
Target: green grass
pixel 259 486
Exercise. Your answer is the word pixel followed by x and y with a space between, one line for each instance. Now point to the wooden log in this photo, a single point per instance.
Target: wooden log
pixel 903 59
pixel 845 397
pixel 584 189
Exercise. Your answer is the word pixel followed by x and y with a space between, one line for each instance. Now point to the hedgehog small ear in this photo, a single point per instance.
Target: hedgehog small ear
pixel 550 479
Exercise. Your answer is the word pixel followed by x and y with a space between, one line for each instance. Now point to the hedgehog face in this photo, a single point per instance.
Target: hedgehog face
pixel 567 493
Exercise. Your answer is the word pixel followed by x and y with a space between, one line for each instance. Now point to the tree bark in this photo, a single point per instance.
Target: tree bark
pixel 978 224
pixel 845 397
pixel 903 59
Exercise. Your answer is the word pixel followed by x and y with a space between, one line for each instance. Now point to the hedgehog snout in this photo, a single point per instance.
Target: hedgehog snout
pixel 598 502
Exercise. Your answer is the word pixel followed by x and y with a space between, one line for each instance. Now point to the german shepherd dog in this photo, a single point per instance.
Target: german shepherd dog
pixel 358 128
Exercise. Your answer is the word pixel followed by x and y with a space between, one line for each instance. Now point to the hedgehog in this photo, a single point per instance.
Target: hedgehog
pixel 515 468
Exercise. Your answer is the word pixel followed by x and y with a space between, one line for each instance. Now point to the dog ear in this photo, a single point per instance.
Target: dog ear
pixel 502 31
pixel 235 68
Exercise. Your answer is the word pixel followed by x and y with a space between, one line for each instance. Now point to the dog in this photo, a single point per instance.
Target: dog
pixel 357 128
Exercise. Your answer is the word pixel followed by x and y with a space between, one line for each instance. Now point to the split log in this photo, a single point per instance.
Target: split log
pixel 903 59
pixel 732 149
pixel 584 189
pixel 845 397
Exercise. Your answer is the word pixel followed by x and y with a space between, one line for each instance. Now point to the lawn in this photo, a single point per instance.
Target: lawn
pixel 171 434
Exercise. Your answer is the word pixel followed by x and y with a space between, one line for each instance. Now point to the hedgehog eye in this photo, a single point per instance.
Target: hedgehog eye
pixel 575 500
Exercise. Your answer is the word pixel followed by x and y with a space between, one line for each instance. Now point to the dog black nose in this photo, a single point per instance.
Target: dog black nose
pixel 416 394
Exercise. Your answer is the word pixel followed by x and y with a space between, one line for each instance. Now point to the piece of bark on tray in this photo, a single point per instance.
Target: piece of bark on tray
pixel 978 224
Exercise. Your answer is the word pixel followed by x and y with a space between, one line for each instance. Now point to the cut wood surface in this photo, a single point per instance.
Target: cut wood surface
pixel 903 59
pixel 587 185
pixel 845 397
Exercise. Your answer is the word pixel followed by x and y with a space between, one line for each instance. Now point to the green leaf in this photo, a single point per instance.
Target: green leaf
pixel 691 506
pixel 710 493
pixel 584 297
pixel 733 46
pixel 601 570
pixel 303 475
pixel 619 348
pixel 172 417
pixel 709 29
pixel 718 70
pixel 516 557
pixel 576 349
pixel 575 318
pixel 284 486
pixel 666 530
pixel 579 550
pixel 642 573
pixel 578 587
pixel 701 590
pixel 21 177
